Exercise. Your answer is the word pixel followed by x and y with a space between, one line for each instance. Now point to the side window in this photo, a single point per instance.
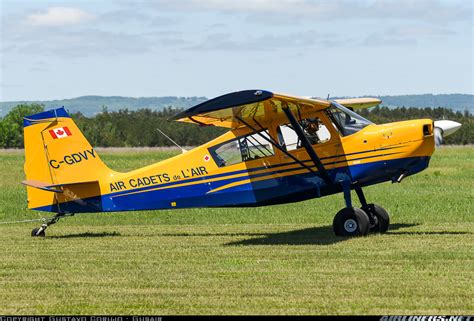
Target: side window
pixel 314 129
pixel 242 149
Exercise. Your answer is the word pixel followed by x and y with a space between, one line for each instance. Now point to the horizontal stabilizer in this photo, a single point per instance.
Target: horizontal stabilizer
pixel 54 188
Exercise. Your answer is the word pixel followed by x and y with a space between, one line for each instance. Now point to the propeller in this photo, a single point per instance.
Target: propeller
pixel 443 128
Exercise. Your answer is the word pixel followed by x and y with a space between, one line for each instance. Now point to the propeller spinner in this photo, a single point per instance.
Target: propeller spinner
pixel 443 128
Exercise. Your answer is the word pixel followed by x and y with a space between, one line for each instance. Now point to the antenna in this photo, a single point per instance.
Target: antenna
pixel 328 97
pixel 175 143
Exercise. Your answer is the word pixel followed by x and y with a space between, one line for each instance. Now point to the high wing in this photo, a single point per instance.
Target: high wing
pixel 229 110
pixel 359 103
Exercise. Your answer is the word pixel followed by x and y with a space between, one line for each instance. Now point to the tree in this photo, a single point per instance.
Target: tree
pixel 11 127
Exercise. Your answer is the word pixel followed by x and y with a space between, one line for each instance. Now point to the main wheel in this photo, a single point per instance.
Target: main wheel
pixel 351 221
pixel 34 232
pixel 382 219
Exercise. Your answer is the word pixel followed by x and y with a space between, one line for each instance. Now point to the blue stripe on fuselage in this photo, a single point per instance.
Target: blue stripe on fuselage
pixel 255 169
pixel 273 190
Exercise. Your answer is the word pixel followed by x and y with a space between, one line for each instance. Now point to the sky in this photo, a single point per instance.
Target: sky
pixel 64 49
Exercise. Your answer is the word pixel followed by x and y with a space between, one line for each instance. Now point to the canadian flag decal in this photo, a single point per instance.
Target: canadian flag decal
pixel 60 132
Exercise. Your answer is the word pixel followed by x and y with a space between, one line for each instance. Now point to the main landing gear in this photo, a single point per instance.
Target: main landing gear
pixel 40 231
pixel 351 221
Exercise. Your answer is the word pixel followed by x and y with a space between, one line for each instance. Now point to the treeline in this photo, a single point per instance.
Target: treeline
pixel 126 128
pixel 123 128
pixel 11 126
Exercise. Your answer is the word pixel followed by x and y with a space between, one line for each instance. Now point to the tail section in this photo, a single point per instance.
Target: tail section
pixel 57 154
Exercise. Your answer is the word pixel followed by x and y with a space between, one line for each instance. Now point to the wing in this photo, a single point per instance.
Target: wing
pixel 359 103
pixel 260 105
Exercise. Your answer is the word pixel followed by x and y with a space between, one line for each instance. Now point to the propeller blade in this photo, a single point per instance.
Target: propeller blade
pixel 438 136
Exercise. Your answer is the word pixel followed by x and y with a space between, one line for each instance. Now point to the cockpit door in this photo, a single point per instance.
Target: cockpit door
pixel 318 129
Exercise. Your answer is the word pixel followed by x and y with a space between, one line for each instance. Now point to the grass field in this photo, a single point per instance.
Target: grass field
pixel 271 260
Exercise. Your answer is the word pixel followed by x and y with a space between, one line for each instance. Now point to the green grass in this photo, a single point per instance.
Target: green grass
pixel 271 260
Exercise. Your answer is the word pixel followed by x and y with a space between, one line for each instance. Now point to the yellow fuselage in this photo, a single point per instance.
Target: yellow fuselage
pixel 375 154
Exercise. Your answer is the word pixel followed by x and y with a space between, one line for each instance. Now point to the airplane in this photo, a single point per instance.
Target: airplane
pixel 279 149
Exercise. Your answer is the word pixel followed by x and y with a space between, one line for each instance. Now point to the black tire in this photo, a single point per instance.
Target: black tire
pixel 34 232
pixel 351 221
pixel 382 218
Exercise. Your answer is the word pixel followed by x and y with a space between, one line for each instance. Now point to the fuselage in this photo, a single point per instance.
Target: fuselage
pixel 198 178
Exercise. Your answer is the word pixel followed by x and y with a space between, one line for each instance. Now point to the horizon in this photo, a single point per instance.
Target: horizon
pixel 207 48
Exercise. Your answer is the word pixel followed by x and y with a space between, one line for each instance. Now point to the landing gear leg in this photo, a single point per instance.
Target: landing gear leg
pixel 350 221
pixel 40 231
pixel 378 216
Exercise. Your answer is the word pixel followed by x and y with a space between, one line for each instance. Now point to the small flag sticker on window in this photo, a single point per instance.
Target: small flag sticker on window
pixel 60 132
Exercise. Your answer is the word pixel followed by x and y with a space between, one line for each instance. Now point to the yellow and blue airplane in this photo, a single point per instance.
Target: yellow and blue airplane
pixel 279 149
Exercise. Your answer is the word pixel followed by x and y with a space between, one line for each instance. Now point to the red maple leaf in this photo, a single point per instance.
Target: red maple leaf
pixel 59 132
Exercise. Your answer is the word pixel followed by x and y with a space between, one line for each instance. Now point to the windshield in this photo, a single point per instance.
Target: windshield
pixel 346 121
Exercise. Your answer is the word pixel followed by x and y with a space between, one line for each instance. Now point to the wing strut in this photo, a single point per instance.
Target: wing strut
pixel 275 144
pixel 307 145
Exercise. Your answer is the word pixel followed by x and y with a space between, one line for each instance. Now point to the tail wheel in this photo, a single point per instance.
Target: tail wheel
pixel 382 219
pixel 38 232
pixel 351 221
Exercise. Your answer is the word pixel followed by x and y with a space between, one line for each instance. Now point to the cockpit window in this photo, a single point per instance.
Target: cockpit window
pixel 242 149
pixel 314 129
pixel 345 120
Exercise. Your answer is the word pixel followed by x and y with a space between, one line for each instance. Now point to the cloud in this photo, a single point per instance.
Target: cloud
pixel 150 27
pixel 285 10
pixel 88 41
pixel 110 34
pixel 384 40
pixel 122 16
pixel 419 31
pixel 427 10
pixel 58 16
pixel 38 69
pixel 266 42
pixel 405 35
pixel 84 42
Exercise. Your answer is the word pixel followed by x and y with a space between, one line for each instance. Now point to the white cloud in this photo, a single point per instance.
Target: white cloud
pixel 429 10
pixel 81 43
pixel 419 31
pixel 384 40
pixel 406 35
pixel 58 16
pixel 269 42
